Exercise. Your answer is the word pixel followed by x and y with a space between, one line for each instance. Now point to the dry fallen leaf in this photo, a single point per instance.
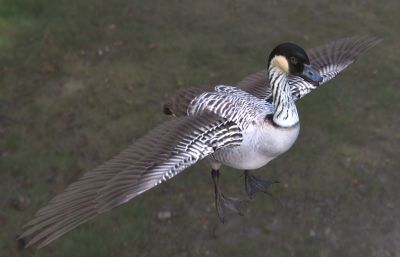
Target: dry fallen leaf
pixel 49 68
pixel 118 44
pixel 130 88
pixel 111 26
pixel 354 183
pixel 179 82
pixel 164 215
pixel 20 203
pixel 152 45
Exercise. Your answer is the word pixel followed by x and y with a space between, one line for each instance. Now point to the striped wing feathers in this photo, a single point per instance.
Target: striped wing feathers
pixel 329 59
pixel 158 156
pixel 332 58
pixel 256 84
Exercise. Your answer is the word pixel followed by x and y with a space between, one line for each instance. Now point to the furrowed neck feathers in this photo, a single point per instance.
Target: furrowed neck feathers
pixel 285 109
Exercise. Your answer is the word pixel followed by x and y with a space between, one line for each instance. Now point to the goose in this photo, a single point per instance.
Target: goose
pixel 243 127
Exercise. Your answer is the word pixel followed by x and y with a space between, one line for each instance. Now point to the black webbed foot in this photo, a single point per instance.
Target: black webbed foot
pixel 254 184
pixel 224 205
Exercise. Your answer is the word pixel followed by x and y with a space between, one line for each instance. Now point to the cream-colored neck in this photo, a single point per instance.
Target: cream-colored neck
pixel 285 109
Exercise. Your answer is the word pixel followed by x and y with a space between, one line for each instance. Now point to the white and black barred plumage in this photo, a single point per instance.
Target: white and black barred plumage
pixel 231 103
pixel 224 123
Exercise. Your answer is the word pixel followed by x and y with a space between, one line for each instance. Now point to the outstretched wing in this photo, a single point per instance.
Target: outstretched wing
pixel 158 156
pixel 329 59
pixel 332 58
pixel 179 102
pixel 256 84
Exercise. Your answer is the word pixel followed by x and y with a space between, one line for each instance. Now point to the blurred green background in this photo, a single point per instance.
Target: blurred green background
pixel 79 80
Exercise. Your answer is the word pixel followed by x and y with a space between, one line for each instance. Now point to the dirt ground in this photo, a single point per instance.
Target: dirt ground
pixel 80 80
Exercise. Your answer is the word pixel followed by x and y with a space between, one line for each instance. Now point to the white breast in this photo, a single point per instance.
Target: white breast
pixel 261 143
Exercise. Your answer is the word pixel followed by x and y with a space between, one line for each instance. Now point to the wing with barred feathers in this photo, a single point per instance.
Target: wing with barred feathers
pixel 332 58
pixel 329 59
pixel 178 103
pixel 256 84
pixel 158 156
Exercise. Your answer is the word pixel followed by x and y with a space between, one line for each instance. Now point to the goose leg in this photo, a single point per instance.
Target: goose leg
pixel 224 204
pixel 254 184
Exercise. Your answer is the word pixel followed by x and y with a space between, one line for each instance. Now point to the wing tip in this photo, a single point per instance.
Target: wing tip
pixel 24 242
pixel 363 42
pixel 21 242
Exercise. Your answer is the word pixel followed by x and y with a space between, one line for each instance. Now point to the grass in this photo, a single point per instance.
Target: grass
pixel 80 79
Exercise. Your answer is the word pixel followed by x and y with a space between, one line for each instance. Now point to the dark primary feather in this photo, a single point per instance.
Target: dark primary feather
pixel 158 156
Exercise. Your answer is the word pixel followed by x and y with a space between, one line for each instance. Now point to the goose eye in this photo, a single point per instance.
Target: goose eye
pixel 293 60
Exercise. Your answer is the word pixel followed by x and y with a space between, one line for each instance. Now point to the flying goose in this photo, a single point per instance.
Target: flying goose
pixel 243 126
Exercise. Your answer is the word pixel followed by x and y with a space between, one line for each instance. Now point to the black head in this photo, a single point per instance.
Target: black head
pixel 292 59
pixel 294 54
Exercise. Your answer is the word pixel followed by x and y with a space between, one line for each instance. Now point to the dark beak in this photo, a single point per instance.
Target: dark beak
pixel 311 75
